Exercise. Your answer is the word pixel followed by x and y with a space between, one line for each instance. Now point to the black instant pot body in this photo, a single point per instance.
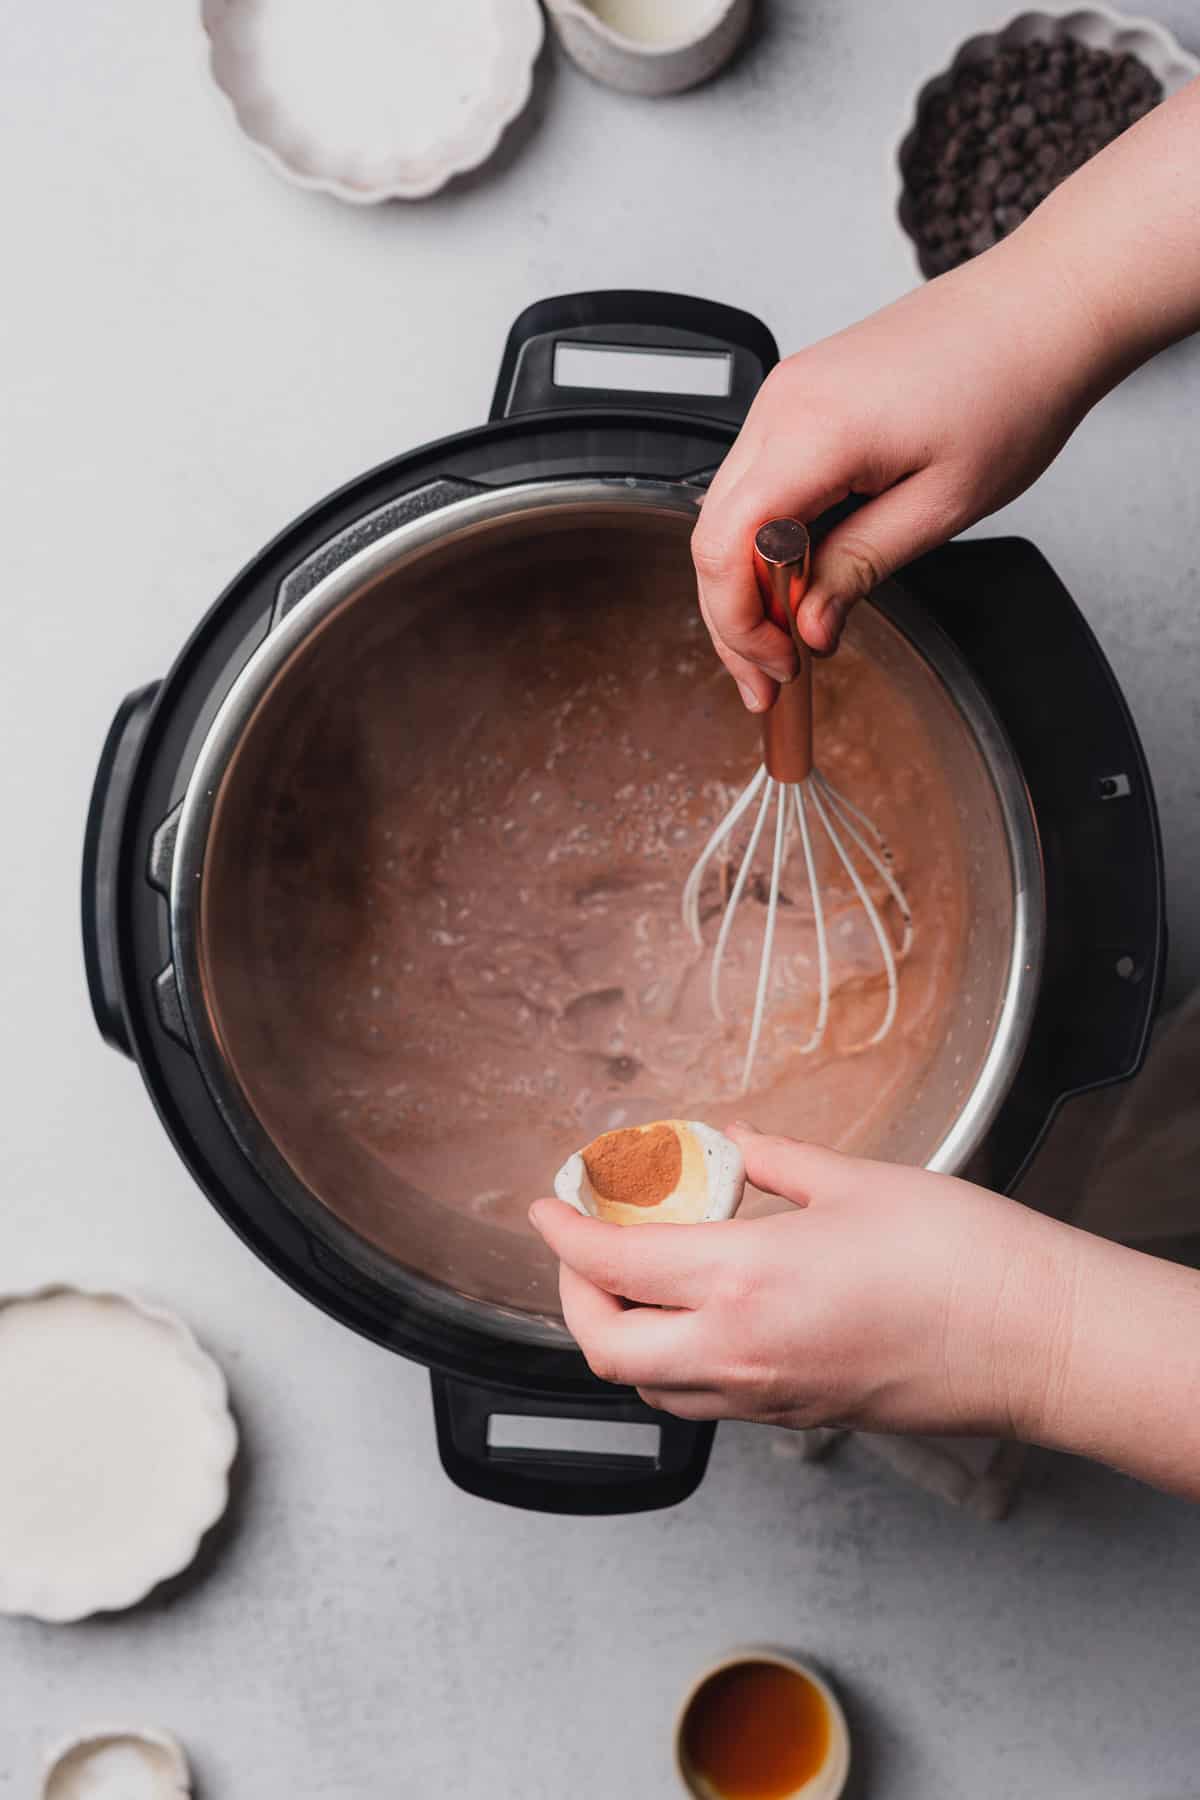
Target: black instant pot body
pixel 1000 604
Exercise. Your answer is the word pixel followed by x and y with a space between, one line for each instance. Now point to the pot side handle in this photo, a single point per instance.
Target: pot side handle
pixel 634 350
pixel 579 1482
pixel 101 849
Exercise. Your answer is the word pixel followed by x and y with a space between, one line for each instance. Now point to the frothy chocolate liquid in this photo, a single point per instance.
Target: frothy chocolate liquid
pixel 466 935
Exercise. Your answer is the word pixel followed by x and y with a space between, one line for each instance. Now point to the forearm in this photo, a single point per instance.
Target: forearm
pixel 1123 237
pixel 1116 1373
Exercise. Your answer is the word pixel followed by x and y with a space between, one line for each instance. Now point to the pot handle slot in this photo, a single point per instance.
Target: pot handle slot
pixel 578 1481
pixel 634 350
pixel 101 849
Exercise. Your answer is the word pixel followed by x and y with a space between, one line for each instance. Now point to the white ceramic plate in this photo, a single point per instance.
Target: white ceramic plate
pixel 1096 26
pixel 116 1441
pixel 373 100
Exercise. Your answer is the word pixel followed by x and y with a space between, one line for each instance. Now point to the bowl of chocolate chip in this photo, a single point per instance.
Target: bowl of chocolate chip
pixel 1016 112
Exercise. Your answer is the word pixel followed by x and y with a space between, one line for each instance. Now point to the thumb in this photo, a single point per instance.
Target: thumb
pixel 656 1265
pixel 794 1171
pixel 902 523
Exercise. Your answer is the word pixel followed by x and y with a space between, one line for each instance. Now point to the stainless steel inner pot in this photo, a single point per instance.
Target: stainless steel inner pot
pixel 609 534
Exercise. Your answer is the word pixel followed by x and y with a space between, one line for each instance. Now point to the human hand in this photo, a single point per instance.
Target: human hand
pixel 889 1299
pixel 943 407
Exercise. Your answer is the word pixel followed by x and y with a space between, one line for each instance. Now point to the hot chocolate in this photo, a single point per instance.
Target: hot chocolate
pixel 467 927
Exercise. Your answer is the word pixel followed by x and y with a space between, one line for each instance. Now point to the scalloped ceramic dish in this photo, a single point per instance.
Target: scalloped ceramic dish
pixel 117 1441
pixel 372 100
pixel 1096 26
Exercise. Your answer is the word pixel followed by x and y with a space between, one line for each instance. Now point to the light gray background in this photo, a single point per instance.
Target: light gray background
pixel 192 352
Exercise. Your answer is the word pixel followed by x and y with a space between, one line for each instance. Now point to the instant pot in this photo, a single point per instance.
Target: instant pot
pixel 611 413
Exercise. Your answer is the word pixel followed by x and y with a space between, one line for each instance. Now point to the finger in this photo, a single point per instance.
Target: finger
pixel 903 522
pixel 664 1265
pixel 628 1345
pixel 758 691
pixel 697 1404
pixel 776 484
pixel 589 1310
pixel 745 450
pixel 792 1170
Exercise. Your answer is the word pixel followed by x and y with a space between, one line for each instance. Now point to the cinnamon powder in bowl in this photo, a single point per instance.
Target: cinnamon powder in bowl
pixel 674 1171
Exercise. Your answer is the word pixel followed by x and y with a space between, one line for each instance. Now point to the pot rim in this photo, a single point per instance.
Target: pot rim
pixel 341 586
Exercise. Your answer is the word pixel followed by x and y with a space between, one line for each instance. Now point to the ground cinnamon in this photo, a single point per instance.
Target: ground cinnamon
pixel 635 1168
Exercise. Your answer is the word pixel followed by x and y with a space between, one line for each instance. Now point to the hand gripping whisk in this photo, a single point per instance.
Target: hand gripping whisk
pixel 802 800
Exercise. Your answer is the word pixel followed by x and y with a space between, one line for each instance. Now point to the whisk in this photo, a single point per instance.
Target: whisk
pixel 802 800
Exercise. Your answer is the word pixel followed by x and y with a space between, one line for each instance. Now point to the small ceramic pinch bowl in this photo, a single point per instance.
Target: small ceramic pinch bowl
pixel 372 100
pixel 762 1721
pixel 650 47
pixel 118 1763
pixel 672 1172
pixel 117 1444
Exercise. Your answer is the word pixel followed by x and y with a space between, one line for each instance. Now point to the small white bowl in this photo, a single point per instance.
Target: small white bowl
pixel 372 100
pixel 118 1763
pixel 650 47
pixel 709 1187
pixel 829 1780
pixel 1096 26
pixel 116 1441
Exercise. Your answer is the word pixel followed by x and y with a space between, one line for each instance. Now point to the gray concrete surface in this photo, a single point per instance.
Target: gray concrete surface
pixel 193 351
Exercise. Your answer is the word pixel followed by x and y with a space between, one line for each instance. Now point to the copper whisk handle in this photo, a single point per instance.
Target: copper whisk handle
pixel 781 562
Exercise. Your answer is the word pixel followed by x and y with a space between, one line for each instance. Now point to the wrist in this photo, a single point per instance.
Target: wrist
pixel 1033 1323
pixel 1094 335
pixel 1065 348
pixel 1124 1386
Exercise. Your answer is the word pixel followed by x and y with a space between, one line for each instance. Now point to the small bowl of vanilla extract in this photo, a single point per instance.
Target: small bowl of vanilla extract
pixel 762 1725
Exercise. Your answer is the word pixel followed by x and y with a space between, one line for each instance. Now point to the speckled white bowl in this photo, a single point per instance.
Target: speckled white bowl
pixel 830 1779
pixel 662 50
pixel 117 1442
pixel 1096 26
pixel 711 1183
pixel 372 100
